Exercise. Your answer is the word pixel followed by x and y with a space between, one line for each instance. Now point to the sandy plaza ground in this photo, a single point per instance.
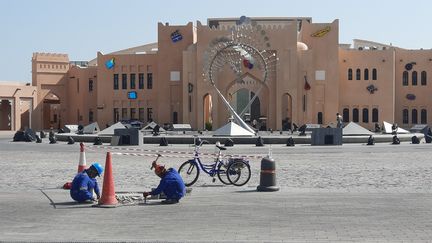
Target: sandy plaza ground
pixel 345 193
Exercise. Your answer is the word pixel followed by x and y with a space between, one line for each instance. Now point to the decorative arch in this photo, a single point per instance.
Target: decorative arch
pixel 52 111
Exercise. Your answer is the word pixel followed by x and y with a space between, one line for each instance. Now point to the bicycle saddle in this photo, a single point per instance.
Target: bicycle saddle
pixel 220 147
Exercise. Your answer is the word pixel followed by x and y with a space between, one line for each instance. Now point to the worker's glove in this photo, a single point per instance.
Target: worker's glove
pixel 146 194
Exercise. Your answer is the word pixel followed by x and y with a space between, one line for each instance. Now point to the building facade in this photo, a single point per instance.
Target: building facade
pixel 315 78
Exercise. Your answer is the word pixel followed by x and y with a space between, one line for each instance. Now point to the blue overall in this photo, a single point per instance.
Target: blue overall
pixel 172 185
pixel 83 187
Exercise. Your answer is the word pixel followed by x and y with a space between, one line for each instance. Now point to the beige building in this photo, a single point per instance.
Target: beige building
pixel 315 78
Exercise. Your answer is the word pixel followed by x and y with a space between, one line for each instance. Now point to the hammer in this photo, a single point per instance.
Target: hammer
pixel 158 155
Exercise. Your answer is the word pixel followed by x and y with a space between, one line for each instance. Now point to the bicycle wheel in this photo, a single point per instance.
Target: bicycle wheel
pixel 189 172
pixel 222 175
pixel 239 173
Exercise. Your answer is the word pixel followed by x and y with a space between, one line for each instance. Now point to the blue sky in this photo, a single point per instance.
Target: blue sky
pixel 81 28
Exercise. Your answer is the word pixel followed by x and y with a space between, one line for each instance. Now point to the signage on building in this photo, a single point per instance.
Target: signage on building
pixel 410 96
pixel 371 88
pixel 321 32
pixel 176 36
pixel 132 95
pixel 110 63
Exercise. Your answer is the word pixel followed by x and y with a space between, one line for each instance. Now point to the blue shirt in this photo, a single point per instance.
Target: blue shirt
pixel 171 184
pixel 83 187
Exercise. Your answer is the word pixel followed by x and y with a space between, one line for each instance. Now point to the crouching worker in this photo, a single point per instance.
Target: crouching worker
pixel 85 183
pixel 171 184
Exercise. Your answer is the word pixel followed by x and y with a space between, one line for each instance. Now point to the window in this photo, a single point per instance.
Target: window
pixel 141 114
pixel 374 115
pixel 175 117
pixel 366 74
pixel 77 85
pixel 90 85
pixel 414 116
pixel 374 74
pixel 124 114
pixel 405 116
pixel 91 119
pixel 423 116
pixel 175 76
pixel 190 103
pixel 345 115
pixel 423 78
pixel 349 74
pixel 141 81
pixel 132 113
pixel 320 118
pixel 358 74
pixel 116 81
pixel 116 115
pixel 149 80
pixel 149 114
pixel 124 81
pixel 405 78
pixel 132 80
pixel 355 115
pixel 414 78
pixel 365 115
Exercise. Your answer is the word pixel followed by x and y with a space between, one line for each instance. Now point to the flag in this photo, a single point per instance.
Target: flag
pixel 306 85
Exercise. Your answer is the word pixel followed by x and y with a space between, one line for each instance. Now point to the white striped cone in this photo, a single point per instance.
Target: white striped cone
pixel 82 160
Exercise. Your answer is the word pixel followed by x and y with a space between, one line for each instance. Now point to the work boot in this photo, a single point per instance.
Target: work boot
pixel 170 201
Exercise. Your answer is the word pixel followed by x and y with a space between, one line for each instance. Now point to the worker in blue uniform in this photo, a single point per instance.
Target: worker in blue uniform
pixel 171 184
pixel 85 183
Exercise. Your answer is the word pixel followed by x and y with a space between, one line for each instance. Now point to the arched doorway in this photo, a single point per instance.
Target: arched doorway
pixel 240 100
pixel 207 112
pixel 51 112
pixel 5 115
pixel 286 112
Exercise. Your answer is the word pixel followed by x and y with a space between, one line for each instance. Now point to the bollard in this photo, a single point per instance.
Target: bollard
pixel 396 140
pixel 163 141
pixel 38 139
pixel 70 140
pixel 371 140
pixel 268 176
pixel 290 142
pixel 229 142
pixel 415 140
pixel 259 142
pixel 42 134
pixel 53 140
pixel 97 141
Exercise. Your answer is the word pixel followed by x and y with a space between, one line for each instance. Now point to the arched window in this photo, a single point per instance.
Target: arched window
pixel 414 116
pixel 423 116
pixel 423 78
pixel 320 118
pixel 365 115
pixel 355 115
pixel 414 78
pixel 90 85
pixel 374 115
pixel 91 118
pixel 405 116
pixel 374 74
pixel 349 74
pixel 345 115
pixel 366 74
pixel 405 78
pixel 358 74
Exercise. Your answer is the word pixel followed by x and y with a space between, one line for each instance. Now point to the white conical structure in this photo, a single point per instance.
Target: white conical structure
pixel 353 129
pixel 232 129
pixel 388 128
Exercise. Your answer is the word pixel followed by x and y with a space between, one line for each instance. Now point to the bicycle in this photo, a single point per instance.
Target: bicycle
pixel 237 168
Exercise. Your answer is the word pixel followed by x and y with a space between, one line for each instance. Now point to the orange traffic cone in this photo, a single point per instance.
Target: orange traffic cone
pixel 82 159
pixel 108 198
